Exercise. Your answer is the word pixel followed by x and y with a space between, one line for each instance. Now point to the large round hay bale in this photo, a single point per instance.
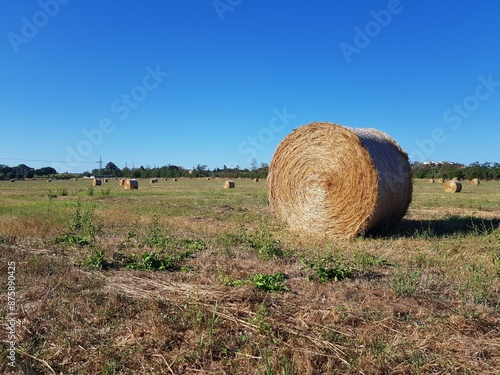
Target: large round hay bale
pixel 331 180
pixel 452 186
pixel 475 181
pixel 96 182
pixel 228 184
pixel 131 184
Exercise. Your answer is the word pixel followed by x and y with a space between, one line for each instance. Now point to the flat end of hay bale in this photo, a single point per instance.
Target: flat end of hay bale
pixel 452 186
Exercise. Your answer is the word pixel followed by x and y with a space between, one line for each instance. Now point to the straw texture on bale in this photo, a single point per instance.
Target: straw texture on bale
pixel 228 184
pixel 475 181
pixel 452 186
pixel 331 180
pixel 131 184
pixel 96 182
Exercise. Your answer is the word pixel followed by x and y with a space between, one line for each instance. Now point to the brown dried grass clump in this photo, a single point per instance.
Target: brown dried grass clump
pixel 329 179
pixel 96 182
pixel 475 181
pixel 452 186
pixel 228 184
pixel 131 184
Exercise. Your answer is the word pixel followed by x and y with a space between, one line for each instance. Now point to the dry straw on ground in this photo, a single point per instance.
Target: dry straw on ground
pixel 329 179
pixel 475 181
pixel 452 186
pixel 228 184
pixel 131 184
pixel 96 182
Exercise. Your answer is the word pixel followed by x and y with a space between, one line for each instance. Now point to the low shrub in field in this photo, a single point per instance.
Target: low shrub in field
pixel 328 268
pixel 273 282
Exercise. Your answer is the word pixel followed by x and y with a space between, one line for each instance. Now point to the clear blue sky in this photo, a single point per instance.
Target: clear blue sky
pixel 201 82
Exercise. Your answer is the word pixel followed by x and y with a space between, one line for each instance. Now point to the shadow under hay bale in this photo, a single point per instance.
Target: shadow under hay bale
pixel 329 179
pixel 131 184
pixel 452 186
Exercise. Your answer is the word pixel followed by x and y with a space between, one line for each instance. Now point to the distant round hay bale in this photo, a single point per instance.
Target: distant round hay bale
pixel 329 179
pixel 452 186
pixel 165 179
pixel 174 179
pixel 228 184
pixel 49 180
pixel 256 179
pixel 430 181
pixel 76 179
pixel 96 182
pixel 131 184
pixel 440 180
pixel 153 180
pixel 455 179
pixel 208 178
pixel 475 181
pixel 12 180
pixel 106 180
pixel 121 182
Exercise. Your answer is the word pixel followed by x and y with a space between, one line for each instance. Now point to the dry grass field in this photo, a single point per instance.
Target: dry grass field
pixel 186 277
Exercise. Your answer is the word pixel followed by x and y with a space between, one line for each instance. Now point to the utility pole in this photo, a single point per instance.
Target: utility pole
pixel 100 165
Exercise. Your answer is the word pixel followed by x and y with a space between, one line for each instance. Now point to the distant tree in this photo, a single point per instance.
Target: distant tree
pixel 254 164
pixel 45 171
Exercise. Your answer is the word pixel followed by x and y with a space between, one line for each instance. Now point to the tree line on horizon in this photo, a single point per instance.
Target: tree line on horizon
pixel 484 171
pixel 447 170
pixel 22 171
